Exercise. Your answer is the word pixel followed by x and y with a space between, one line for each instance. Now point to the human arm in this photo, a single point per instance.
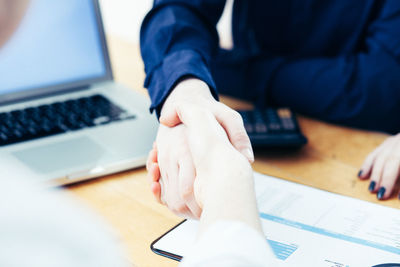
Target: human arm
pixel 50 227
pixel 178 39
pixel 358 89
pixel 230 230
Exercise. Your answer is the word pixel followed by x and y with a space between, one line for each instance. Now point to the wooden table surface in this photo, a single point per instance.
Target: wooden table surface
pixel 330 161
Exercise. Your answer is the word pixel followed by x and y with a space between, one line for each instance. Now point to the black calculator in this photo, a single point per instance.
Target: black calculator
pixel 272 128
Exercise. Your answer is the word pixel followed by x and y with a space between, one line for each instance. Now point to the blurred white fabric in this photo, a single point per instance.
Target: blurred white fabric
pixel 49 228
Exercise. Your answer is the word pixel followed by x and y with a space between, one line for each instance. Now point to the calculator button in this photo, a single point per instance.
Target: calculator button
pixel 271 116
pixel 289 127
pixel 274 127
pixel 284 113
pixel 261 128
pixel 288 124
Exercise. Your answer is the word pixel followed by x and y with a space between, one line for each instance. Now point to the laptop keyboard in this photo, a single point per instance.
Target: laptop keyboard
pixel 60 117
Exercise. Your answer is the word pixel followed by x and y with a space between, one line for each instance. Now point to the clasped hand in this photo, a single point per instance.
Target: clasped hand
pixel 171 166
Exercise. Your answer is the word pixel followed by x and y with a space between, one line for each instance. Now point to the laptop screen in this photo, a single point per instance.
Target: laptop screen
pixel 47 43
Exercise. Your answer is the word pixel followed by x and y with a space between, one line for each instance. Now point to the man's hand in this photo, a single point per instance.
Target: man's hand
pixel 382 167
pixel 172 155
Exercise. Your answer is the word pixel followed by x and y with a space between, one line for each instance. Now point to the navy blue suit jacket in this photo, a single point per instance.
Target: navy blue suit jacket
pixel 336 60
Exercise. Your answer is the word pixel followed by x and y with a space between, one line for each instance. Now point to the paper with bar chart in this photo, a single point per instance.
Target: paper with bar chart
pixel 309 227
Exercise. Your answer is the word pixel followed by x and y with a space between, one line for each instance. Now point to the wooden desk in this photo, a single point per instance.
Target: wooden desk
pixel 330 161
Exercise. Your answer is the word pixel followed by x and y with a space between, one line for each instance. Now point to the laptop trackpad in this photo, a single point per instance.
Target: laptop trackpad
pixel 62 156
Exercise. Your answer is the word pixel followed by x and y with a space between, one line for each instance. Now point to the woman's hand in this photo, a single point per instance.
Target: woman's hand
pixel 382 167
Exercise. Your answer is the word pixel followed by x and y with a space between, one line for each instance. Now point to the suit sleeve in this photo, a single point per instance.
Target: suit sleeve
pixel 178 39
pixel 360 89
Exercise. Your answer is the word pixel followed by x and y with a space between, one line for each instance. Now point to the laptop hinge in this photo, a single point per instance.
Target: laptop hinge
pixel 45 95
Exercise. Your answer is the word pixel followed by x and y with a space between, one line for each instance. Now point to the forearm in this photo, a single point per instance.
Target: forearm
pixel 358 90
pixel 230 231
pixel 357 86
pixel 178 39
pixel 230 196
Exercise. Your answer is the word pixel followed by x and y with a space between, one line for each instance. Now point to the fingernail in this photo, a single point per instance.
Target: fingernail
pixel 372 185
pixel 360 173
pixel 381 192
pixel 399 196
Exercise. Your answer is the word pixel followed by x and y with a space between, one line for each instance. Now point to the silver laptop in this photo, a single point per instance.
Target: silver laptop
pixel 62 117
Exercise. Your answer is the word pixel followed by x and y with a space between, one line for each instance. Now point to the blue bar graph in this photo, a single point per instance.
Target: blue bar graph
pixel 282 251
pixel 321 231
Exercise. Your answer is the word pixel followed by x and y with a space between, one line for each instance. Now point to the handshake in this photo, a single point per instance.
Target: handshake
pixel 202 156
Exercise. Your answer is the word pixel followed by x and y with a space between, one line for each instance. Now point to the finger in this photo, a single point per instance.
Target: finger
pixel 156 190
pixel 376 173
pixel 149 176
pixel 162 191
pixel 366 169
pixel 187 175
pixel 391 169
pixel 181 211
pixel 193 206
pixel 389 177
pixel 163 160
pixel 232 122
pixel 154 177
pixel 154 172
pixel 202 129
pixel 191 116
pixel 171 191
pixel 170 118
pixel 171 199
pixel 161 181
pixel 148 161
pixel 151 158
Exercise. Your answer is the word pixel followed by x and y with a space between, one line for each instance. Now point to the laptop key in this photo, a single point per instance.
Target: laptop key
pixel 51 119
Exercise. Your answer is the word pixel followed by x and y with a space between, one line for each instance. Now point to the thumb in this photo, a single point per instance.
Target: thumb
pixel 170 117
pixel 232 123
pixel 204 132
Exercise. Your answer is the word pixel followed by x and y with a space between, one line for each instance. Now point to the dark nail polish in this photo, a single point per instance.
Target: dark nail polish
pixel 381 192
pixel 360 173
pixel 372 185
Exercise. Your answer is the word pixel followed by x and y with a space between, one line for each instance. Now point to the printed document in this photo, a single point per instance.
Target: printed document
pixel 309 227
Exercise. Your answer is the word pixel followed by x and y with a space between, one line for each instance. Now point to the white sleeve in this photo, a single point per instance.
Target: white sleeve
pixel 49 228
pixel 230 244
